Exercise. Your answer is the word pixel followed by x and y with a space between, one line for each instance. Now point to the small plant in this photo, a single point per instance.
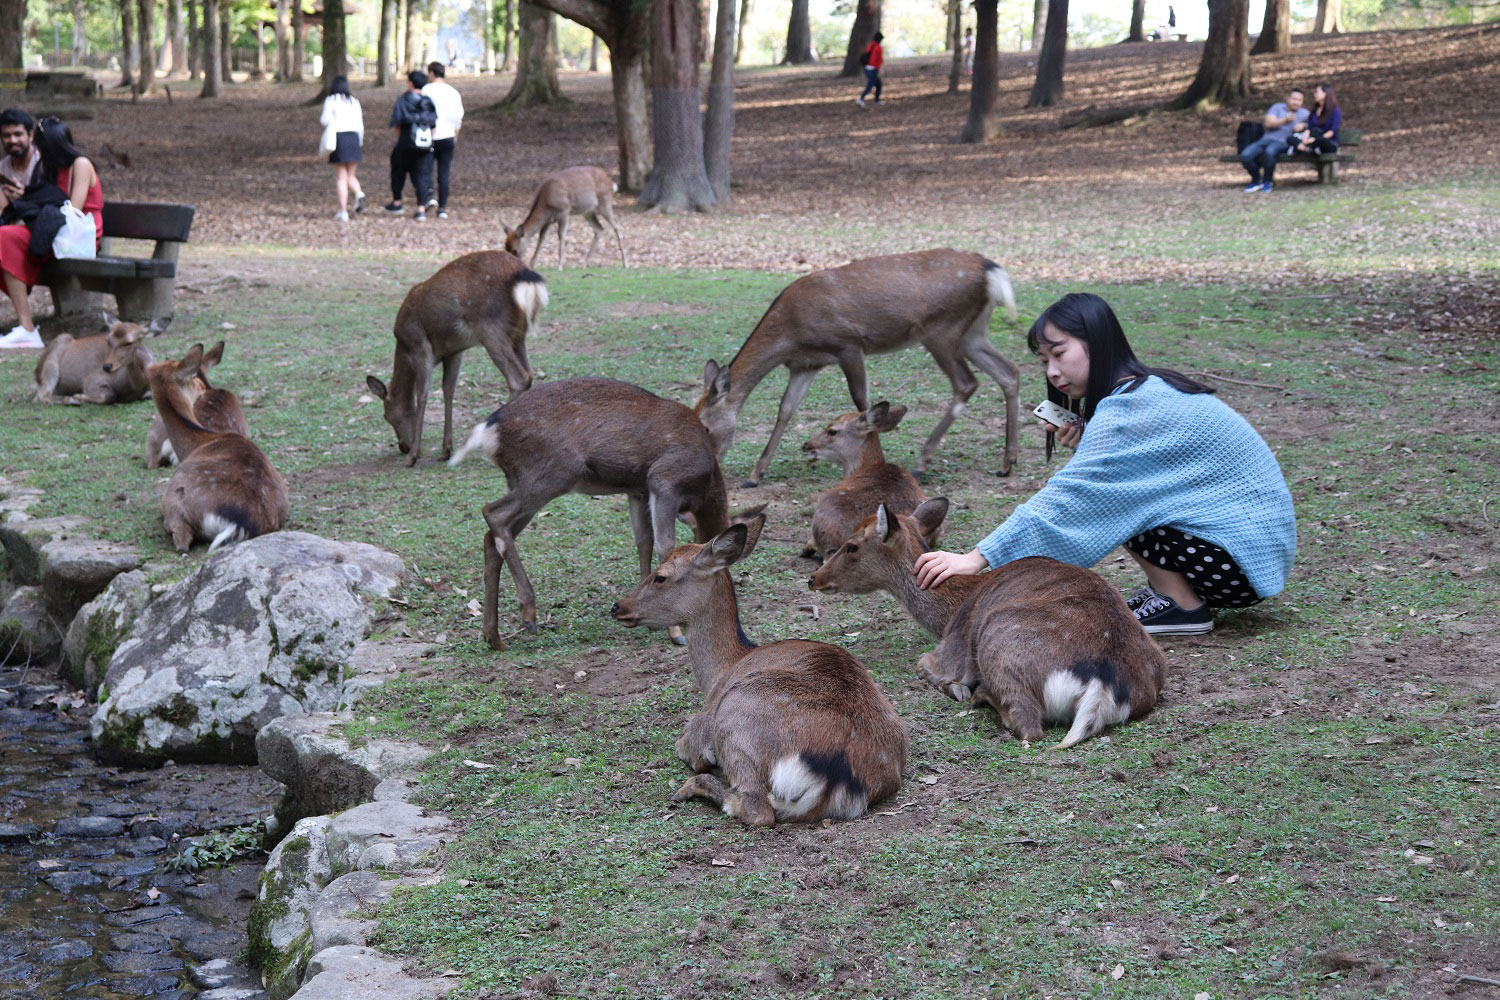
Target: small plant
pixel 217 849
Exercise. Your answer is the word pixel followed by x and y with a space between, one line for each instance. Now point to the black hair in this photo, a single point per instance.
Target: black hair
pixel 417 78
pixel 15 116
pixel 339 87
pixel 54 140
pixel 1296 90
pixel 436 69
pixel 879 37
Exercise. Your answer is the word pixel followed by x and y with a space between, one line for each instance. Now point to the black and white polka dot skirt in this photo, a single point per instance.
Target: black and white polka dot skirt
pixel 1211 572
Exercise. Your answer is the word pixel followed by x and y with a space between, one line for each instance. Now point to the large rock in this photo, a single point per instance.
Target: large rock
pixel 280 929
pixel 322 771
pixel 74 571
pixel 349 972
pixel 99 628
pixel 394 836
pixel 344 912
pixel 15 499
pixel 23 539
pixel 28 632
pixel 263 629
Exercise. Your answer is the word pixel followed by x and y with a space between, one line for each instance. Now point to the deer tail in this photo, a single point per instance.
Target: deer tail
pixel 485 437
pixel 529 292
pixel 812 784
pixel 997 284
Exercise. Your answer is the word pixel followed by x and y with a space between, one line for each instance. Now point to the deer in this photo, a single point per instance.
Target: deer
pixel 791 731
pixel 586 191
pixel 1036 639
pixel 105 368
pixel 853 441
pixel 941 299
pixel 594 436
pixel 213 409
pixel 487 298
pixel 224 489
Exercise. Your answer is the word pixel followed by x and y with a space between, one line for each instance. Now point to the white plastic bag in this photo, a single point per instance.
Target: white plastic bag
pixel 329 141
pixel 78 238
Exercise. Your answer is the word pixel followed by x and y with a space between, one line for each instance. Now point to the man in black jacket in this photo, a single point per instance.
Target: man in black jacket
pixel 412 118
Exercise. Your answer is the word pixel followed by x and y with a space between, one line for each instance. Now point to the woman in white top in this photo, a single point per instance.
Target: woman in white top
pixel 343 135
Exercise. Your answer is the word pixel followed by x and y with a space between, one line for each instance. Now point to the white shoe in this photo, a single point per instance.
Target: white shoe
pixel 432 203
pixel 20 337
pixel 860 101
pixel 341 217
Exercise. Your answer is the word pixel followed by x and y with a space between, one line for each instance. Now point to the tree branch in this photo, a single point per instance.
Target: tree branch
pixel 592 14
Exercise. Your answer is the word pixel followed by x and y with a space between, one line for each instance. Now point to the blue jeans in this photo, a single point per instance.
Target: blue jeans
pixel 872 81
pixel 1260 157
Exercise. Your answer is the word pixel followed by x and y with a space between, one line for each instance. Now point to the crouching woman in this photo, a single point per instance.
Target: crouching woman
pixel 1162 467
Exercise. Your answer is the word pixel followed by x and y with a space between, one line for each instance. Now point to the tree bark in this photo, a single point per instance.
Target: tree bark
pixel 174 42
pixel 798 36
pixel 1276 31
pixel 1137 22
pixel 128 51
pixel 679 181
pixel 1329 19
pixel 12 31
pixel 536 63
pixel 299 42
pixel 226 43
pixel 718 125
pixel 1038 23
pixel 593 53
pixel 1048 88
pixel 283 46
pixel 866 23
pixel 195 42
pixel 955 43
pixel 409 57
pixel 383 46
pixel 212 66
pixel 508 38
pixel 739 34
pixel 80 36
pixel 982 125
pixel 1224 70
pixel 335 45
pixel 627 68
pixel 145 78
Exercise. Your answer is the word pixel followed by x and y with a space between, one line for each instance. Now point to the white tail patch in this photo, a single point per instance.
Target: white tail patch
pixel 531 298
pixel 165 455
pixel 844 803
pixel 223 530
pixel 1091 707
pixel 795 789
pixel 614 187
pixel 484 436
pixel 998 283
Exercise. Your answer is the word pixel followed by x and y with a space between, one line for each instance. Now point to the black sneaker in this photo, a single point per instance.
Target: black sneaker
pixel 1160 615
pixel 1139 596
pixel 394 208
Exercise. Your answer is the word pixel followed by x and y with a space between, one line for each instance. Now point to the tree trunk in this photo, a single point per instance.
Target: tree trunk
pixel 627 70
pixel 1038 23
pixel 593 53
pixel 1048 88
pixel 1137 22
pixel 955 42
pixel 718 125
pixel 679 181
pixel 409 57
pixel 212 66
pixel 510 33
pixel 145 78
pixel 383 46
pixel 798 36
pixel 536 62
pixel 398 31
pixel 335 48
pixel 174 41
pixel 195 42
pixel 283 43
pixel 13 30
pixel 80 36
pixel 129 53
pixel 1276 31
pixel 299 42
pixel 1329 19
pixel 1224 71
pixel 982 125
pixel 866 23
pixel 226 42
pixel 739 34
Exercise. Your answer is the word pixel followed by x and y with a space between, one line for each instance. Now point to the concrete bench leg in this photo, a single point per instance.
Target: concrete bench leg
pixel 70 298
pixel 143 301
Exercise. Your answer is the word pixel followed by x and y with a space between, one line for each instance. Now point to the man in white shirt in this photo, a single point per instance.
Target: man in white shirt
pixel 450 111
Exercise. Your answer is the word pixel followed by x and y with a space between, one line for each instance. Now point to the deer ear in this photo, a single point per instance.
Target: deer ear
pixel 190 363
pixel 891 418
pixel 754 520
pixel 930 513
pixel 213 355
pixel 885 524
pixel 109 318
pixel 724 549
pixel 715 379
pixel 377 387
pixel 159 325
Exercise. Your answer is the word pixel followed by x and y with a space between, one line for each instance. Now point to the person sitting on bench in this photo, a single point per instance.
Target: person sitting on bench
pixel 1259 158
pixel 1321 134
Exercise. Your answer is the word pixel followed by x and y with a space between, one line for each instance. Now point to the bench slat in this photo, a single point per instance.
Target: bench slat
pixel 128 220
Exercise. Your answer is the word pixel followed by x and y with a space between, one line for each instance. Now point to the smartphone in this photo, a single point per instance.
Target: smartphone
pixel 1056 415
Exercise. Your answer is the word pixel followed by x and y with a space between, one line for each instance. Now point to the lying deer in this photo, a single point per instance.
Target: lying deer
pixel 1037 639
pixel 585 191
pixel 796 730
pixel 224 488
pixel 107 368
pixel 853 441
pixel 594 436
pixel 487 298
pixel 941 299
pixel 213 410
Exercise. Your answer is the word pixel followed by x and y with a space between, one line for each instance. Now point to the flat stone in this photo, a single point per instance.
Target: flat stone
pixel 28 631
pixel 143 847
pixel 66 951
pixel 323 772
pixel 76 570
pixel 139 962
pixel 344 912
pixel 384 835
pixel 68 881
pixel 144 943
pixel 23 541
pixel 124 810
pixel 164 824
pixel 348 972
pixel 89 826
pixel 212 944
pixel 233 993
pixel 213 975
pixel 17 831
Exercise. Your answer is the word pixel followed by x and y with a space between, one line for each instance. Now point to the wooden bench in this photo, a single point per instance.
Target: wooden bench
pixel 1327 164
pixel 142 286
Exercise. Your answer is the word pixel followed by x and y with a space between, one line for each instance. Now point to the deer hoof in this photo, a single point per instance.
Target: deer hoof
pixel 532 628
pixel 1003 471
pixel 959 692
pixel 494 641
pixel 411 460
pixel 674 633
pixel 749 484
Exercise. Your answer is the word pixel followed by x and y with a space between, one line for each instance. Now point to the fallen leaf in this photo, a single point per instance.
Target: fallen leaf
pixel 1118 972
pixel 153 893
pixel 928 779
pixel 481 765
pixel 721 863
pixel 1231 880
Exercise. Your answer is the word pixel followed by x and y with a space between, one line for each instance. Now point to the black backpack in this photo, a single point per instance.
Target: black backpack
pixel 864 58
pixel 1247 133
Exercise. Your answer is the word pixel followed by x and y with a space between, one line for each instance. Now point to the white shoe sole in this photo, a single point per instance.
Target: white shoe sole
pixel 1200 629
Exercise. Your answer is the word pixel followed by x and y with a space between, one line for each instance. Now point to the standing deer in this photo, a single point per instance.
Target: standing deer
pixel 853 441
pixel 796 730
pixel 107 368
pixel 224 488
pixel 585 191
pixel 487 298
pixel 1037 639
pixel 213 410
pixel 594 436
pixel 941 299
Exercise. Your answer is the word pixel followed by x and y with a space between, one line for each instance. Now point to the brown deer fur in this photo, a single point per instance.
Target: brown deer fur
pixel 213 409
pixel 585 191
pixel 487 298
pixel 794 730
pixel 107 368
pixel 594 436
pixel 941 299
pixel 1037 639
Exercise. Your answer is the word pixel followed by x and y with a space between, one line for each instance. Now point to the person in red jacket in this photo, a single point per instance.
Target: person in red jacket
pixel 872 58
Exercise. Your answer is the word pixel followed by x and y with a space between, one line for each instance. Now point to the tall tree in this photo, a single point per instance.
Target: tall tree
pixel 129 51
pixel 739 34
pixel 335 47
pixel 226 41
pixel 80 35
pixel 12 31
pixel 174 52
pixel 508 35
pixel 1224 69
pixel 1038 23
pixel 1137 21
pixel 679 181
pixel 399 55
pixel 1048 88
pixel 145 79
pixel 536 68
pixel 593 53
pixel 212 65
pixel 1276 31
pixel 866 23
pixel 195 42
pixel 1329 19
pixel 411 55
pixel 299 42
pixel 718 124
pixel 383 47
pixel 955 44
pixel 798 36
pixel 982 125
pixel 283 43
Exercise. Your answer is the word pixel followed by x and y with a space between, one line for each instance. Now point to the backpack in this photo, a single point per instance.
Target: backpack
pixel 1247 133
pixel 864 58
pixel 423 120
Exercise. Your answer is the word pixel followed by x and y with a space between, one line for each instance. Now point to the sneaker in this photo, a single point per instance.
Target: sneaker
pixel 1253 188
pixel 421 216
pixel 860 101
pixel 20 337
pixel 1160 615
pixel 1267 187
pixel 394 208
pixel 442 213
pixel 432 203
pixel 359 203
pixel 341 217
pixel 1139 596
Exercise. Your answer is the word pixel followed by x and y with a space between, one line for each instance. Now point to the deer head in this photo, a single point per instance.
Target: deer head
pixel 682 587
pixel 842 441
pixel 513 238
pixel 400 413
pixel 715 410
pixel 882 548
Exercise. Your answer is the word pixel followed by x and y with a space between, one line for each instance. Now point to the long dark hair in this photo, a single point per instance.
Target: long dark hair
pixel 54 140
pixel 1328 105
pixel 339 87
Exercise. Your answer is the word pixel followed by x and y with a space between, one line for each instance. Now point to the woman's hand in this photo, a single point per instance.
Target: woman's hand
pixel 1069 435
pixel 932 568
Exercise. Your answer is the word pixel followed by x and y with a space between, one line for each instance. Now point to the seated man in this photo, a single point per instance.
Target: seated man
pixel 1284 118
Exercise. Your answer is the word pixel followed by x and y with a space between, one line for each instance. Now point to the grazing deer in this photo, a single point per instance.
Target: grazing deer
pixel 1037 639
pixel 853 441
pixel 585 191
pixel 594 436
pixel 224 488
pixel 213 410
pixel 487 298
pixel 941 299
pixel 796 730
pixel 107 368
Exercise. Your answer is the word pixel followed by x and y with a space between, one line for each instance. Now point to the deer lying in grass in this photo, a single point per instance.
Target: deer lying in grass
pixel 1037 639
pixel 941 299
pixel 487 298
pixel 213 410
pixel 106 368
pixel 796 730
pixel 853 441
pixel 224 488
pixel 594 436
pixel 585 191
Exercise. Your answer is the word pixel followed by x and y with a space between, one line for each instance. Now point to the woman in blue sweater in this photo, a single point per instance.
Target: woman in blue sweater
pixel 1321 133
pixel 1162 467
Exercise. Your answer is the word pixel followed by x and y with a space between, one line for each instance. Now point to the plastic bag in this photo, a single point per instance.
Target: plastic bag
pixel 329 140
pixel 78 239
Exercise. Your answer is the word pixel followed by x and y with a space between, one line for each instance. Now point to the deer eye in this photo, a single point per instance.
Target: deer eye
pixel 851 548
pixel 658 578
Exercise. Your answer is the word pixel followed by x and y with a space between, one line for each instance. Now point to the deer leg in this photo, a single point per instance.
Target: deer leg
pixel 593 220
pixel 1023 717
pixel 853 364
pixel 541 234
pixel 797 383
pixel 695 745
pixel 562 235
pixel 641 529
pixel 501 349
pixel 1008 377
pixel 610 218
pixel 702 786
pixel 747 799
pixel 964 383
pixel 662 508
pixel 506 518
pixel 938 669
pixel 450 386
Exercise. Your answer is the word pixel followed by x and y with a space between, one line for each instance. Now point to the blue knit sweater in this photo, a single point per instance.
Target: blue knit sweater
pixel 1154 458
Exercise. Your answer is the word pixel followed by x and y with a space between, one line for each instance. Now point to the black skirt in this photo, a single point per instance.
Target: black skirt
pixel 346 149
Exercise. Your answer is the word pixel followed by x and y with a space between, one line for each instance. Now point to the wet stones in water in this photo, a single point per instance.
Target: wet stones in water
pixel 212 975
pixel 65 951
pixel 17 831
pixel 68 882
pixel 141 963
pixel 89 826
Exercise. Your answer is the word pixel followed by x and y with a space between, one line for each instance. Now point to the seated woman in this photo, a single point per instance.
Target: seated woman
pixel 1162 467
pixel 65 166
pixel 1321 134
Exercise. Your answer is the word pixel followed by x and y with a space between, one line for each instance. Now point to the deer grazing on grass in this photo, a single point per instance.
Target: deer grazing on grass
pixel 213 410
pixel 1037 639
pixel 224 488
pixel 585 191
pixel 941 299
pixel 795 730
pixel 853 441
pixel 487 298
pixel 107 368
pixel 594 436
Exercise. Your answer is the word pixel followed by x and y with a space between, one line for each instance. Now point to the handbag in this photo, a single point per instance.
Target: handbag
pixel 421 137
pixel 78 238
pixel 329 141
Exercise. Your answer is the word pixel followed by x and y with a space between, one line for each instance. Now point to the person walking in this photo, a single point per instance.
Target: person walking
pixel 450 112
pixel 968 52
pixel 872 58
pixel 343 124
pixel 413 119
